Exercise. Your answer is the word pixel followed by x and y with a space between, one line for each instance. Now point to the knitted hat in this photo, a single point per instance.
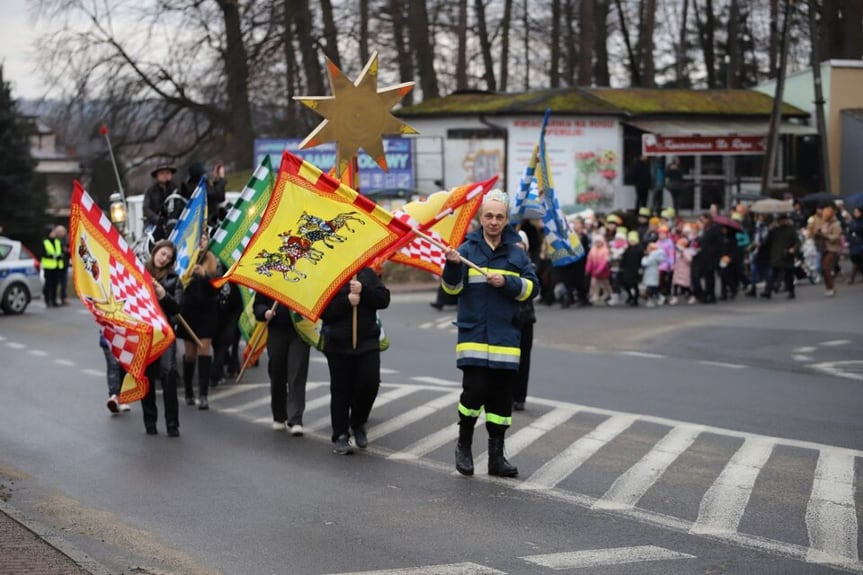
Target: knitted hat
pixel 644 212
pixel 654 221
pixel 632 237
pixel 668 213
pixel 736 217
pixel 613 219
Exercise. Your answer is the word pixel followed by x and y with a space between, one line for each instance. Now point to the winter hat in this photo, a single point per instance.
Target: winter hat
pixel 163 168
pixel 613 219
pixel 736 217
pixel 645 212
pixel 632 238
pixel 523 237
pixel 654 221
pixel 668 213
pixel 662 229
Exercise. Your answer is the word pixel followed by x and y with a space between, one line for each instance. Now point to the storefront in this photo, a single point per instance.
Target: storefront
pixel 595 134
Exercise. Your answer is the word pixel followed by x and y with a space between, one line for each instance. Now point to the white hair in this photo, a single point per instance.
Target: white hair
pixel 496 195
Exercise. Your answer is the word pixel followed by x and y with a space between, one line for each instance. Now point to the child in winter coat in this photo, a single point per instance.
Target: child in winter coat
pixel 630 268
pixel 650 262
pixel 599 269
pixel 615 249
pixel 666 244
pixel 681 280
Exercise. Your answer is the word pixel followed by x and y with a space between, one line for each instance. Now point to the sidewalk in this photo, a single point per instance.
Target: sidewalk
pixel 26 548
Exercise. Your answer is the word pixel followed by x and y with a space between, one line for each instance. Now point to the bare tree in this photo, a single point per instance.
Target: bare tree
pixel 587 35
pixel 504 44
pixel 422 48
pixel 774 38
pixel 485 45
pixel 461 56
pixel 403 54
pixel 634 68
pixel 733 71
pixel 644 51
pixel 682 46
pixel 525 21
pixel 554 68
pixel 364 31
pixel 331 34
pixel 601 73
pixel 239 137
pixel 707 39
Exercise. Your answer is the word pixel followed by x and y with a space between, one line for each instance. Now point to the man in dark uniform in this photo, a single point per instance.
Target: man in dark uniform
pixel 488 338
pixel 155 196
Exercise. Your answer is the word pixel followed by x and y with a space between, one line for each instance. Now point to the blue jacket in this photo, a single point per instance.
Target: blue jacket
pixel 488 317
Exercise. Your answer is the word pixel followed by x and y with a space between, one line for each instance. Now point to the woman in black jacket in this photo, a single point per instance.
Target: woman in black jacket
pixel 169 291
pixel 355 370
pixel 288 367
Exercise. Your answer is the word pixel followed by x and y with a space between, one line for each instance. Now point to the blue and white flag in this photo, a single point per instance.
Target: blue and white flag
pixel 186 235
pixel 565 245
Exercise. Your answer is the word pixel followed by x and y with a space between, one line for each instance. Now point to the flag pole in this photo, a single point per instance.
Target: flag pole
pixel 355 184
pixel 253 344
pixel 189 330
pixel 104 131
pixel 445 247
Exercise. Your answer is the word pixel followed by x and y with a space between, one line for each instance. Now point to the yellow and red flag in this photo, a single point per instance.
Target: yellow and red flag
pixel 444 216
pixel 315 234
pixel 118 291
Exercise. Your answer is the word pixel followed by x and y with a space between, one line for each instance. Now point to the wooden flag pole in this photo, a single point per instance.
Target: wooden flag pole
pixel 253 344
pixel 355 184
pixel 189 330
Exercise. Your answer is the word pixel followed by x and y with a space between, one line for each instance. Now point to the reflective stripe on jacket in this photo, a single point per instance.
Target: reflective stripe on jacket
pixel 488 317
pixel 53 258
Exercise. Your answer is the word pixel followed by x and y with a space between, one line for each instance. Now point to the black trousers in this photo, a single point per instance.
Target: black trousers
pixel 489 389
pixel 52 283
pixel 289 371
pixel 519 392
pixel 641 197
pixel 165 370
pixel 354 383
pixel 226 334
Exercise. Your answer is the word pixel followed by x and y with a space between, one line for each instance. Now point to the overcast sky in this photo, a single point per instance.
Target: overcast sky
pixel 17 34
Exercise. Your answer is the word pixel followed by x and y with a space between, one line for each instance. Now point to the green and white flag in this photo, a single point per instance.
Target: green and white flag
pixel 236 230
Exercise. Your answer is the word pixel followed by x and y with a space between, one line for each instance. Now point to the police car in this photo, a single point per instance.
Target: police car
pixel 19 276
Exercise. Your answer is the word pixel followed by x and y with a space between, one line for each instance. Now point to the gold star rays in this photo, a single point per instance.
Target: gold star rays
pixel 357 115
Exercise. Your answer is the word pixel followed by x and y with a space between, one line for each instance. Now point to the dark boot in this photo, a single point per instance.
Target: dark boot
pixel 204 363
pixel 463 455
pixel 188 378
pixel 497 463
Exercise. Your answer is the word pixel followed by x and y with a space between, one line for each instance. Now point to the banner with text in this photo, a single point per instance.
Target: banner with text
pixel 659 145
pixel 399 153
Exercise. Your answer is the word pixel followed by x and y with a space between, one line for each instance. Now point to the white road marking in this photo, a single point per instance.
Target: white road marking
pixel 94 372
pixel 426 325
pixel 37 352
pixel 642 354
pixel 15 345
pixel 2 338
pixel 602 557
pixel 524 437
pixel 451 569
pixel 64 362
pixel 800 357
pixel 723 364
pixel 412 415
pixel 428 443
pixel 563 464
pixel 265 400
pixel 831 516
pixel 630 487
pixel 436 381
pixel 723 505
pixel 382 399
pixel 841 369
pixel 232 390
pixel 835 342
pixel 388 371
pixel 804 349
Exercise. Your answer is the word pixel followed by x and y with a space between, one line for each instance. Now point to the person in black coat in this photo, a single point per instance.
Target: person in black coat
pixel 784 245
pixel 289 365
pixel 169 291
pixel 642 179
pixel 526 319
pixel 355 370
pixel 154 199
pixel 630 268
pixel 706 261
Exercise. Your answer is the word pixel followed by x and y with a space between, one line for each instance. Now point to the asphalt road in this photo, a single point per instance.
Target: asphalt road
pixel 694 439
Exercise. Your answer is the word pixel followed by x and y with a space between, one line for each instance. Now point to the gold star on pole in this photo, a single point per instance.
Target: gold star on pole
pixel 357 115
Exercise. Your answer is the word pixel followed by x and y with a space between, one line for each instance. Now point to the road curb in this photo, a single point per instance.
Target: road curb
pixel 81 559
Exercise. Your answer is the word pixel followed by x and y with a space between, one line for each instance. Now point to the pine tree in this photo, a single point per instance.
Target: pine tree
pixel 23 199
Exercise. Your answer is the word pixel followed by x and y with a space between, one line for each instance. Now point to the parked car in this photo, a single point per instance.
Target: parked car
pixel 20 281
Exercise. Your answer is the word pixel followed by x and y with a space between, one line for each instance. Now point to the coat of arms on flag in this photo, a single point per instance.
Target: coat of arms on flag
pixel 118 291
pixel 314 235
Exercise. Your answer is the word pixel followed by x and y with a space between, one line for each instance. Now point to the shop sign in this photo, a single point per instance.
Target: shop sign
pixel 659 145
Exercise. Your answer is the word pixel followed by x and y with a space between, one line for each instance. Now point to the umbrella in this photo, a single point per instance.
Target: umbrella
pixel 817 198
pixel 728 222
pixel 854 201
pixel 771 206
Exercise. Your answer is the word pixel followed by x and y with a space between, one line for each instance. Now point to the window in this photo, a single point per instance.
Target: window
pixel 5 249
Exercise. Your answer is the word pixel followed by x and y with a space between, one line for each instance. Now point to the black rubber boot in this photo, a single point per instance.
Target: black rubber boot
pixel 204 363
pixel 497 463
pixel 463 455
pixel 188 379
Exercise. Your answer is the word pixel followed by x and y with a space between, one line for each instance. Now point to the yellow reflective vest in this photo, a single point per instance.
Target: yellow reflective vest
pixel 53 258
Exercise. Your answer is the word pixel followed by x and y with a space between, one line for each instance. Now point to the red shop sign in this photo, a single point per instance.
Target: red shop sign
pixel 659 145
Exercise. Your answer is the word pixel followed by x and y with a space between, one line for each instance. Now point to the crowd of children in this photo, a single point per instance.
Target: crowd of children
pixel 668 260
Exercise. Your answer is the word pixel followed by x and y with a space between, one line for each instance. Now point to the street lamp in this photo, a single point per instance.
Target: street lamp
pixel 117 211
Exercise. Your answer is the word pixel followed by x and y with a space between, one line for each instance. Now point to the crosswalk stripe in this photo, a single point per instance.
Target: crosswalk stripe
pixel 255 403
pixel 723 505
pixel 603 557
pixel 436 381
pixel 630 487
pixel 230 391
pixel 413 415
pixel 428 443
pixel 451 569
pixel 831 516
pixel 563 464
pixel 525 436
pixel 382 399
